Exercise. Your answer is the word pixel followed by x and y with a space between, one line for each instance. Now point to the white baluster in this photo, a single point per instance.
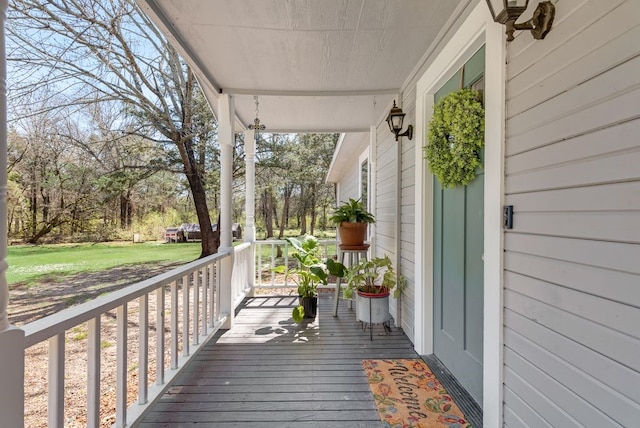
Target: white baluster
pixel 174 325
pixel 93 375
pixel 143 348
pixel 185 315
pixel 160 335
pixel 56 381
pixel 196 307
pixel 121 365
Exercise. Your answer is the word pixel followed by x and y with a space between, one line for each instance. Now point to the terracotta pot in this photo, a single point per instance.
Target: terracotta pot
pixel 352 235
pixel 378 295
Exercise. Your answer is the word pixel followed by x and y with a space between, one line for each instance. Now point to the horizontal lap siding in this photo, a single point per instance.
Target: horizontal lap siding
pixel 407 209
pixel 386 197
pixel 349 184
pixel 572 260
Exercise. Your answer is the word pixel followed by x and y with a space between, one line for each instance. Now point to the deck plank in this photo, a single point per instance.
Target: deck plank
pixel 269 371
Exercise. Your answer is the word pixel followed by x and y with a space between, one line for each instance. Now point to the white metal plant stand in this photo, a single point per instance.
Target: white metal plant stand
pixel 355 255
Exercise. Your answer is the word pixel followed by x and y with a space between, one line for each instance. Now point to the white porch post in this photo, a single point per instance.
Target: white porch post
pixel 250 179
pixel 249 200
pixel 11 338
pixel 226 140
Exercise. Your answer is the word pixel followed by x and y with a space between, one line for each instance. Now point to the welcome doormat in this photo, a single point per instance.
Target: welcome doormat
pixel 408 395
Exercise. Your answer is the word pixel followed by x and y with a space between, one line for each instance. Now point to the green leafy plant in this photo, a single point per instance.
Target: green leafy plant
pixel 310 272
pixel 352 211
pixel 456 138
pixel 375 276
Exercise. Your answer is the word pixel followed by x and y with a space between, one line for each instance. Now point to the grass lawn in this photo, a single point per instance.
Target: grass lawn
pixel 28 263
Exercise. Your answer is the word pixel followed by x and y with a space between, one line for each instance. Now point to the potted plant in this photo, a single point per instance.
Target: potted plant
pixel 372 281
pixel 352 219
pixel 308 275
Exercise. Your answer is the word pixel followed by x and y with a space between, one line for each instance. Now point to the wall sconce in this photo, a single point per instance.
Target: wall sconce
pixel 508 11
pixel 395 121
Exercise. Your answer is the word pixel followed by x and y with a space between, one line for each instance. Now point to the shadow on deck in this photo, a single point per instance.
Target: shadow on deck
pixel 268 371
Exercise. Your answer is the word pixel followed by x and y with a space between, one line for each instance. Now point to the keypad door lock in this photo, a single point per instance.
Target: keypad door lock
pixel 507 217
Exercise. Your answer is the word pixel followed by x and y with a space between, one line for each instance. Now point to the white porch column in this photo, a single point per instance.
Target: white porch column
pixel 250 181
pixel 249 200
pixel 11 338
pixel 226 140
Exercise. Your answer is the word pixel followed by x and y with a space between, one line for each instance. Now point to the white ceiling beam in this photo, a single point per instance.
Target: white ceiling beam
pixel 286 93
pixel 307 131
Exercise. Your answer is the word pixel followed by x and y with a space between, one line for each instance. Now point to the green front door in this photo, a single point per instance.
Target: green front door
pixel 458 266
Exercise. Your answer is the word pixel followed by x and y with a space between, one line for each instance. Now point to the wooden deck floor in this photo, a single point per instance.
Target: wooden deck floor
pixel 268 371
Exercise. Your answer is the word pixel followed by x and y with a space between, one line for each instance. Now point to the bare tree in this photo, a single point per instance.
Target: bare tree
pixel 56 180
pixel 93 51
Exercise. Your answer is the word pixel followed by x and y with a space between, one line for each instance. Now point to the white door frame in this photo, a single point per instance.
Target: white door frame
pixel 477 29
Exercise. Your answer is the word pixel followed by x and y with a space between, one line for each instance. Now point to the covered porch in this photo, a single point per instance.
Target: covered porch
pixel 357 57
pixel 269 371
pixel 557 301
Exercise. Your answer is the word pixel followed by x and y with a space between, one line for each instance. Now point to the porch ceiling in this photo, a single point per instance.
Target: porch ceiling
pixel 317 66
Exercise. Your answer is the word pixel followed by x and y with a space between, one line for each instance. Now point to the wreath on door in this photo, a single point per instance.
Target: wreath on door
pixel 456 137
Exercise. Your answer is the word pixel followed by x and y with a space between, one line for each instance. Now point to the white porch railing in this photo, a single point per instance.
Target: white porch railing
pixel 273 253
pixel 197 285
pixel 242 274
pixel 181 309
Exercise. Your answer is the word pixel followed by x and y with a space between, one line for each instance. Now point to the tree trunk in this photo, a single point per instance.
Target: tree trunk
pixel 313 219
pixel 268 214
pixel 274 208
pixel 313 207
pixel 46 228
pixel 33 202
pixel 125 210
pixel 303 212
pixel 73 226
pixel 210 241
pixel 46 200
pixel 288 190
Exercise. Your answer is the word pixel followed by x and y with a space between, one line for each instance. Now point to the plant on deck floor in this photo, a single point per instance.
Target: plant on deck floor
pixel 311 271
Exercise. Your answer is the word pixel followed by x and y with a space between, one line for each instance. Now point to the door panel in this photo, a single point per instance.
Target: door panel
pixel 458 265
pixel 474 268
pixel 452 264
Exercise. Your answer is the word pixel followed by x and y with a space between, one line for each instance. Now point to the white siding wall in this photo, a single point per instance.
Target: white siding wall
pixel 403 234
pixel 386 198
pixel 572 261
pixel 348 186
pixel 407 225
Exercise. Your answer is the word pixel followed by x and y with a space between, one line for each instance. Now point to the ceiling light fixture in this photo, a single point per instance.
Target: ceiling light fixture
pixel 256 126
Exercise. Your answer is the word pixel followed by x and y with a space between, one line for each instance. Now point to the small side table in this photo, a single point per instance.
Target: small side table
pixel 356 253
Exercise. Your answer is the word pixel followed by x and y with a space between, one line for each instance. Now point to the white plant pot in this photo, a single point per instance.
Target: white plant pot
pixel 372 308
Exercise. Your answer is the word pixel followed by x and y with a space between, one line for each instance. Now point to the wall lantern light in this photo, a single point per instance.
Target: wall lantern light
pixel 508 11
pixel 395 121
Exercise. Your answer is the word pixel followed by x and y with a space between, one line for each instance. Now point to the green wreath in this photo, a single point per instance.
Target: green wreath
pixel 456 137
